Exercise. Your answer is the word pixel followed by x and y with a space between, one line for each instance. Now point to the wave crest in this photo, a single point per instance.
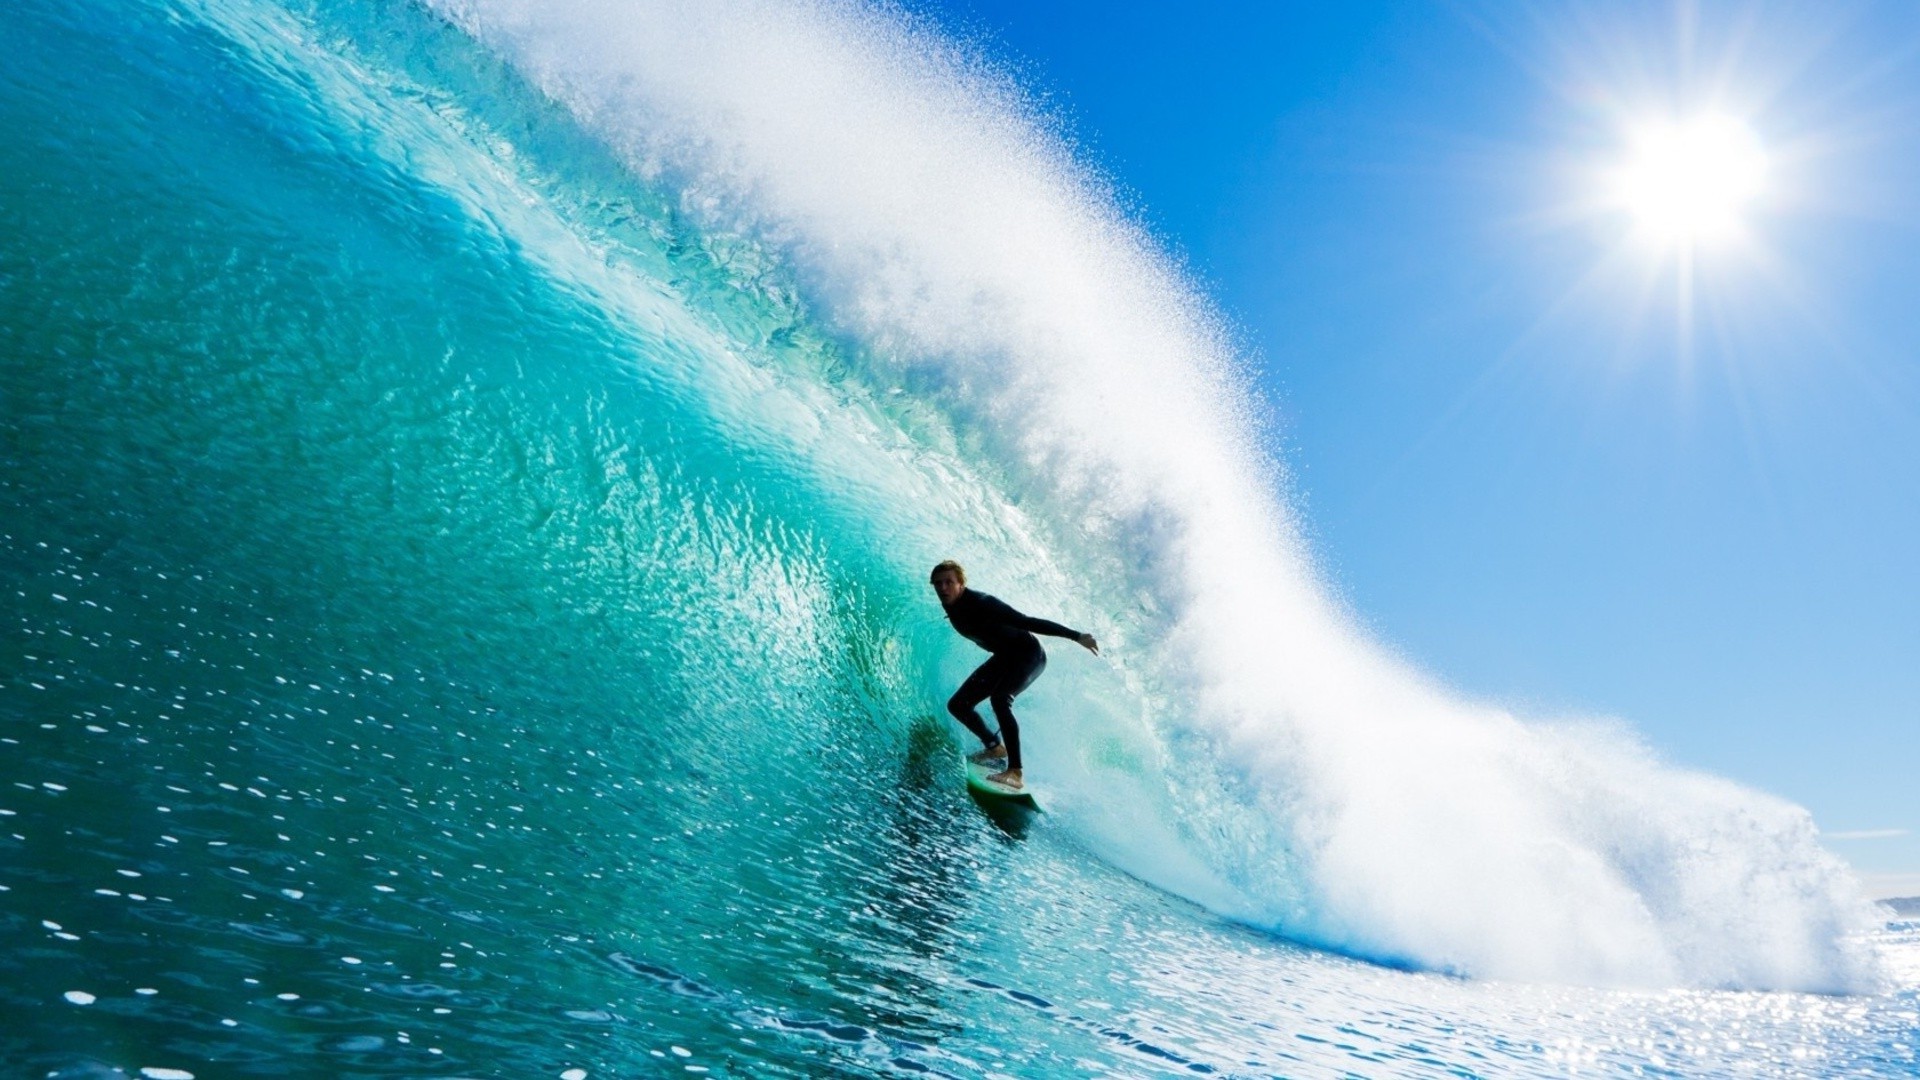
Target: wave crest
pixel 1297 775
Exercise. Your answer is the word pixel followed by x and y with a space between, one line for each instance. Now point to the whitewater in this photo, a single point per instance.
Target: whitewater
pixel 470 472
pixel 948 227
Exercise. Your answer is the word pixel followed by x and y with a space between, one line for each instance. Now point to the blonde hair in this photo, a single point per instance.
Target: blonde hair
pixel 946 566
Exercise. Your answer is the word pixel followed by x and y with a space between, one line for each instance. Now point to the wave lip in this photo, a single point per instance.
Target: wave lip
pixel 1325 789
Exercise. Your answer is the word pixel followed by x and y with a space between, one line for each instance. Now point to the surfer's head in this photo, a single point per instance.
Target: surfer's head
pixel 949 581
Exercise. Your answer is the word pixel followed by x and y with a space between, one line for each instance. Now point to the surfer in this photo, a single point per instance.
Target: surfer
pixel 1017 660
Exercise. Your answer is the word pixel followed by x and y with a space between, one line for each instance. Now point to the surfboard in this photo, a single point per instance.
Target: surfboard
pixel 994 794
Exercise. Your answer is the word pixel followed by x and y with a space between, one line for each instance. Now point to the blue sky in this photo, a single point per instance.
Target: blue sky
pixel 1535 455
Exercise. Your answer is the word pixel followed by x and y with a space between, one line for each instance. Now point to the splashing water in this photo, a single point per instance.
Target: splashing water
pixel 939 221
pixel 470 472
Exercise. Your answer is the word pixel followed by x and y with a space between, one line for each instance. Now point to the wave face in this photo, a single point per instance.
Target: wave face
pixel 942 229
pixel 469 476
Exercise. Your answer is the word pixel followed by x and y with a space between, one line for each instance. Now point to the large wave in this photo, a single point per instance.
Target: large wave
pixel 1035 388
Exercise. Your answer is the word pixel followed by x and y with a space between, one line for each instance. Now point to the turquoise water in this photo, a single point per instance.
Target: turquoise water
pixel 466 551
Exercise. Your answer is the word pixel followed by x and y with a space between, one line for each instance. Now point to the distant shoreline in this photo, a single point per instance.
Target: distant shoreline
pixel 1903 905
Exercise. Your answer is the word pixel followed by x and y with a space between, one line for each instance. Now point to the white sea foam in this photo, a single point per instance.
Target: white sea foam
pixel 1347 799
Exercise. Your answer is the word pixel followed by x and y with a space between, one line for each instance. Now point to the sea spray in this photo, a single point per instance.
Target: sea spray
pixel 467 615
pixel 937 221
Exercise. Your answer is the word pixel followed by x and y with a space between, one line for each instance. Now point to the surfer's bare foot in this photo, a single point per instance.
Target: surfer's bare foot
pixel 1008 779
pixel 991 753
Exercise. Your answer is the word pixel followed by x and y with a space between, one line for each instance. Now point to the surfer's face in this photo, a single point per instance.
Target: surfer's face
pixel 946 585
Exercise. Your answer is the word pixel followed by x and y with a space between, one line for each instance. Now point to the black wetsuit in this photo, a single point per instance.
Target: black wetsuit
pixel 1017 660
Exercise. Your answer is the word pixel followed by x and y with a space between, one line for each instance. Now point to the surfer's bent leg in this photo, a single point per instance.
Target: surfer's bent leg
pixel 978 687
pixel 1017 675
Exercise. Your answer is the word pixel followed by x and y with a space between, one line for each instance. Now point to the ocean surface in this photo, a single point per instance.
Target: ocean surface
pixel 468 473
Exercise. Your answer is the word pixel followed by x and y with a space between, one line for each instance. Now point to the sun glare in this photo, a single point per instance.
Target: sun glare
pixel 1691 181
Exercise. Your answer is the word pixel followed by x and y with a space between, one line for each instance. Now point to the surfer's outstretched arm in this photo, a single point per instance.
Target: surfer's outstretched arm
pixel 1047 627
pixel 1054 629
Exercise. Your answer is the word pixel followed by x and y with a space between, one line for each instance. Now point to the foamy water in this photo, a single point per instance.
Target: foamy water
pixel 935 218
pixel 466 490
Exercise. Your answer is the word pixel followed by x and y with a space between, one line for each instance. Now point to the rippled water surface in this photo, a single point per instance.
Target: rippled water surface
pixel 415 666
pixel 230 852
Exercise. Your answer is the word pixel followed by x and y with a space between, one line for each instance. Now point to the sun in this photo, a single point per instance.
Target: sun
pixel 1691 181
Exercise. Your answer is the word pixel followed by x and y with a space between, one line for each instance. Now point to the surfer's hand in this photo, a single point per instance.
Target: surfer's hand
pixel 1092 645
